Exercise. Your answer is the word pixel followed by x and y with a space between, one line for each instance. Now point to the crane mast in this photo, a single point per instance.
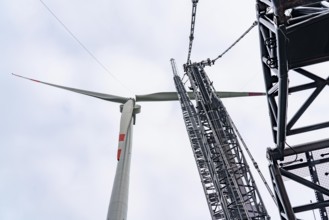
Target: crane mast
pixel 294 36
pixel 228 184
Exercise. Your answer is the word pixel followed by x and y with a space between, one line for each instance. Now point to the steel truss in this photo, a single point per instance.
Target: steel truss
pixel 227 181
pixel 199 147
pixel 294 34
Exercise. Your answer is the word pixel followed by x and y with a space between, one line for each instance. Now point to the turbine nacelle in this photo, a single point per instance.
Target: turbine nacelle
pixel 136 110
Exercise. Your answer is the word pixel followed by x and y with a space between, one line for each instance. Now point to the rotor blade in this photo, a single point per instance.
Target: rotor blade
pixel 172 96
pixel 125 122
pixel 118 206
pixel 238 94
pixel 160 96
pixel 107 97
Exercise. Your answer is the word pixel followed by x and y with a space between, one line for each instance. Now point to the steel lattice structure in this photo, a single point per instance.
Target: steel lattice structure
pixel 293 35
pixel 227 181
pixel 199 147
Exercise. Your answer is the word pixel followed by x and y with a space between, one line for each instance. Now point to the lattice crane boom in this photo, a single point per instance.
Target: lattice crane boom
pixel 217 151
pixel 199 148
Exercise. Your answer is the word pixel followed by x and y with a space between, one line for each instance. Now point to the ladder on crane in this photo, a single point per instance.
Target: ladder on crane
pixel 198 144
pixel 228 184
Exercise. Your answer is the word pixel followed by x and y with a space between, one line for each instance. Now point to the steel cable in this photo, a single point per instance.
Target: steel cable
pixel 191 37
pixel 254 162
pixel 83 46
pixel 235 42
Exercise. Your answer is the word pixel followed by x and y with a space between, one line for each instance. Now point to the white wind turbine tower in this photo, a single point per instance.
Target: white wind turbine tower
pixel 118 206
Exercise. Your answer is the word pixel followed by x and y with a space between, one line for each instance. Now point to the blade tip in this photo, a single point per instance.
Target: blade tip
pixel 34 80
pixel 256 94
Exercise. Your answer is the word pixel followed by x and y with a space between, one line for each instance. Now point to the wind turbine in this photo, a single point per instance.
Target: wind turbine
pixel 119 197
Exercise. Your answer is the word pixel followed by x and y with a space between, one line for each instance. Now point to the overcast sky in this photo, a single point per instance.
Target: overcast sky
pixel 58 149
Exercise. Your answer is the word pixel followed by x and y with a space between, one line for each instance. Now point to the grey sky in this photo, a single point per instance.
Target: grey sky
pixel 58 149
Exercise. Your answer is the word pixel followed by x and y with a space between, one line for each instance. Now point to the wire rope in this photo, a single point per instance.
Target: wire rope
pixel 254 162
pixel 83 46
pixel 191 37
pixel 235 42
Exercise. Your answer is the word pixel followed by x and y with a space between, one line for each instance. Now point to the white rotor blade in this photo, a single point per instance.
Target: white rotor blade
pixel 125 121
pixel 107 97
pixel 118 206
pixel 238 94
pixel 160 96
pixel 172 96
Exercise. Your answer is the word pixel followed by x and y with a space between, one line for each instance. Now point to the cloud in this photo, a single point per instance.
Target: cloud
pixel 57 154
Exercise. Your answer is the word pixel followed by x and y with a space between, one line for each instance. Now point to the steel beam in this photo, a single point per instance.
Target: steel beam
pixel 294 34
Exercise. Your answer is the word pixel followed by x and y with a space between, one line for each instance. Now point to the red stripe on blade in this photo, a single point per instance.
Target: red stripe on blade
pixel 118 154
pixel 256 93
pixel 122 137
